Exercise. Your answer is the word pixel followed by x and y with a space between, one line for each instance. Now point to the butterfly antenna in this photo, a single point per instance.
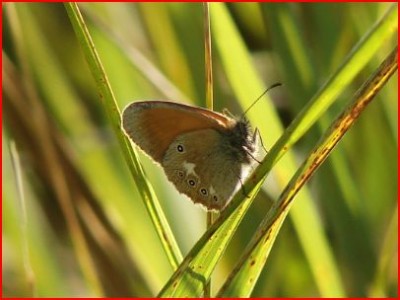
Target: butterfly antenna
pixel 266 91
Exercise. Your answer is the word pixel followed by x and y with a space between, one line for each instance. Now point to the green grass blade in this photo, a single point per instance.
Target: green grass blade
pixel 245 81
pixel 106 94
pixel 287 38
pixel 356 60
pixel 244 277
pixel 242 78
pixel 194 272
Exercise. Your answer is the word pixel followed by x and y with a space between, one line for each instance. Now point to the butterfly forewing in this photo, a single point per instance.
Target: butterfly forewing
pixel 153 125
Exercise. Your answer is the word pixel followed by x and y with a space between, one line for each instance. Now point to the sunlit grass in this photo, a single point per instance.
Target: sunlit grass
pixel 89 233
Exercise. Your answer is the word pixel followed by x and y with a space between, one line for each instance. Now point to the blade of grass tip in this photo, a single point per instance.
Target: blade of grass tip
pixel 244 276
pixel 209 100
pixel 148 195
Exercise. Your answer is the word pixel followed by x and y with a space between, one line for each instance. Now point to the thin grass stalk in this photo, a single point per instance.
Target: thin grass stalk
pixel 29 273
pixel 209 100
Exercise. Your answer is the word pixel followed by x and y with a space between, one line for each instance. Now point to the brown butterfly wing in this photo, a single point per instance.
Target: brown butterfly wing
pixel 154 125
pixel 201 166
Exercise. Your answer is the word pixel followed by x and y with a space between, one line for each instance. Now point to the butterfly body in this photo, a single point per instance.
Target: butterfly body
pixel 203 153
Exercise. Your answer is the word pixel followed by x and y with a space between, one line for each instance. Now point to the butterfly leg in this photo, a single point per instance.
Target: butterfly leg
pixel 254 140
pixel 251 155
pixel 257 134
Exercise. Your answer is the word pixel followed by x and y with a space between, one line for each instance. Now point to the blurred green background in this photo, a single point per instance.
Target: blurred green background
pixel 67 149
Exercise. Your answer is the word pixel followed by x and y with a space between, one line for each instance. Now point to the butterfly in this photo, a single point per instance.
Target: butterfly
pixel 203 153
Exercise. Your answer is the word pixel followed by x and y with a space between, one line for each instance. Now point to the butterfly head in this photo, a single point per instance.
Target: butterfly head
pixel 241 140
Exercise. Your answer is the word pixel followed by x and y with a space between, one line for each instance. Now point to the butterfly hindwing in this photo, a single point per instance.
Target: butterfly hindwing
pixel 200 167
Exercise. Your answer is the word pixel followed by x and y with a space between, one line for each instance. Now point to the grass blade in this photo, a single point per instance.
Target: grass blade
pixel 245 274
pixel 145 189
